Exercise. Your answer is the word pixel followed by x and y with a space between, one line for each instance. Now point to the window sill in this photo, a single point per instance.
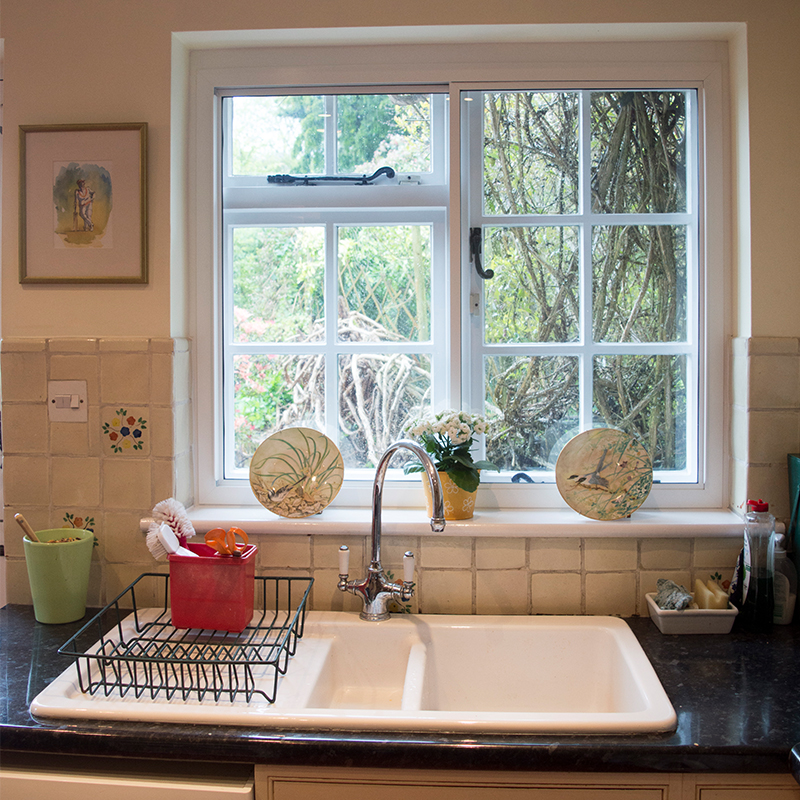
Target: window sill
pixel 537 523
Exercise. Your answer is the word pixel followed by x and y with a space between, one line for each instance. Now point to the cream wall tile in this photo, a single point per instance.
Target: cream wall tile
pixel 125 378
pixel 393 548
pixel 325 595
pixel 325 553
pixel 25 428
pixel 164 482
pixel 555 554
pixel 181 376
pixel 75 482
pixel 70 438
pixel 500 553
pixel 611 593
pixel 291 552
pixel 446 551
pixel 126 484
pixel 766 345
pixel 609 554
pixel 162 345
pixel 160 432
pixel 183 477
pixel 23 345
pixel 24 377
pixel 740 366
pixel 183 427
pixel 775 381
pixel 666 553
pixel 773 434
pixel 69 345
pixel 445 592
pixel 161 378
pixel 739 433
pixel 556 593
pixel 123 541
pixel 717 553
pixel 26 480
pixel 501 591
pixel 121 344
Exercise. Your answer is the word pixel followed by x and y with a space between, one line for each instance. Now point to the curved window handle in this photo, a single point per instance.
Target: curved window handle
pixel 475 235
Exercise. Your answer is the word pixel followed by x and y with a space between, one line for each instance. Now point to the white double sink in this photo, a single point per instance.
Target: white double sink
pixel 479 674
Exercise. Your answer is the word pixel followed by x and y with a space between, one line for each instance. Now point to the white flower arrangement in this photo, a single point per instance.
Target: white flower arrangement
pixel 447 437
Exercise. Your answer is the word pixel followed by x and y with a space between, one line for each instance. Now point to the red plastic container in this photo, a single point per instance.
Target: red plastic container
pixel 213 591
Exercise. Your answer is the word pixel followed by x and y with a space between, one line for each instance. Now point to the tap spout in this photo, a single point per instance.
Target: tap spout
pixel 376 590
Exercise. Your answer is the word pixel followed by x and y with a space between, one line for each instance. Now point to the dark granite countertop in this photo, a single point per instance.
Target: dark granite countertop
pixel 737 697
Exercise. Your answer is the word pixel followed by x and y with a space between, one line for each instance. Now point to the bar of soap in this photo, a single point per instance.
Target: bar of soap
pixel 710 595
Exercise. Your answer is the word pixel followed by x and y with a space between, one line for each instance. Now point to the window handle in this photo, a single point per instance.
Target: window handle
pixel 475 236
pixel 312 180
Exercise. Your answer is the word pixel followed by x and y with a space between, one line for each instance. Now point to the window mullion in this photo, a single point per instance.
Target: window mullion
pixel 585 388
pixel 331 319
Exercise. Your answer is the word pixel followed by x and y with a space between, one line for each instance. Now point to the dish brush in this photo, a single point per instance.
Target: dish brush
pixel 173 514
pixel 162 541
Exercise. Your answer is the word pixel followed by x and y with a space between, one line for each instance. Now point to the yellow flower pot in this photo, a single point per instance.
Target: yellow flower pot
pixel 458 503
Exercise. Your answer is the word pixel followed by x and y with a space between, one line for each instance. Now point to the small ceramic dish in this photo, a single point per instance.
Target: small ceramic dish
pixel 691 620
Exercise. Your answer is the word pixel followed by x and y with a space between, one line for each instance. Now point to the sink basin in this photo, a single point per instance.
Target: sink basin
pixel 430 673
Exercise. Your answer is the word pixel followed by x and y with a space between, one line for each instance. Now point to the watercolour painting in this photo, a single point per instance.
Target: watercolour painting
pixel 83 203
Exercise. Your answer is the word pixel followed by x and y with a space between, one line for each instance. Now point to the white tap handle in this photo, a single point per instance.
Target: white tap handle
pixel 408 566
pixel 344 559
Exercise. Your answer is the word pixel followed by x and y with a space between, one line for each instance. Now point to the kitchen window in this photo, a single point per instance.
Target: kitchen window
pixel 350 297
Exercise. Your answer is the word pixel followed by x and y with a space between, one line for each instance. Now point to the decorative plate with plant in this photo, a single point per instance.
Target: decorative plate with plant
pixel 448 437
pixel 296 472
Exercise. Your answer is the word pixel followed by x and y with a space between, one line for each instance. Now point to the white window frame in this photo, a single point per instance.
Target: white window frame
pixel 690 64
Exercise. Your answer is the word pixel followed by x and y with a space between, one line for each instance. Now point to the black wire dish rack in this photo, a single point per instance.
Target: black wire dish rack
pixel 128 649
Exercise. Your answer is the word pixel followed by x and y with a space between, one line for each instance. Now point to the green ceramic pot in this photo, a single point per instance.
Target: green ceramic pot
pixel 59 574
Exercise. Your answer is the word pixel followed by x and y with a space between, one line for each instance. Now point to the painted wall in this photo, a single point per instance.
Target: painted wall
pixel 109 60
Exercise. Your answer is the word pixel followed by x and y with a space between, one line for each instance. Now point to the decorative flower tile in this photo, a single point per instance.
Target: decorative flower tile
pixel 124 431
pixel 84 523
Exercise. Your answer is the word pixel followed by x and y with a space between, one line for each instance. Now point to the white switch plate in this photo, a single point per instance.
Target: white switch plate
pixel 67 401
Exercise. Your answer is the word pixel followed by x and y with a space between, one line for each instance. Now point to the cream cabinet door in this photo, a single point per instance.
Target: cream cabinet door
pixel 337 784
pixel 743 787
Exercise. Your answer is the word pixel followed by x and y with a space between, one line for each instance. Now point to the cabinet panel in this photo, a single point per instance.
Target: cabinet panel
pixel 287 789
pixel 280 783
pixel 741 787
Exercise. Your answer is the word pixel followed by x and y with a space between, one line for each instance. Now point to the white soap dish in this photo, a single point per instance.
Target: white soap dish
pixel 691 620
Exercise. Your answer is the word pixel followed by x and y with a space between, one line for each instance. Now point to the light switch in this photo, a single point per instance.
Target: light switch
pixel 67 401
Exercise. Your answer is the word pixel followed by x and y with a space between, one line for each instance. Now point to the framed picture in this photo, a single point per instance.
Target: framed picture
pixel 83 203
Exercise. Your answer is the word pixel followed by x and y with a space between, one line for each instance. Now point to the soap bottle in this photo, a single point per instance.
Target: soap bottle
pixel 784 583
pixel 759 542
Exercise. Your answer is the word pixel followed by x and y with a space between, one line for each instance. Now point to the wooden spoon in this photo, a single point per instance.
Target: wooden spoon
pixel 23 523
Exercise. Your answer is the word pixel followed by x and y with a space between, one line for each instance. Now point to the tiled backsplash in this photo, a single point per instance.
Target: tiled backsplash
pixel 136 449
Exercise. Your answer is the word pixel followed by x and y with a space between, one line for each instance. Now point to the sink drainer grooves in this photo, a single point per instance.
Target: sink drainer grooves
pixel 163 661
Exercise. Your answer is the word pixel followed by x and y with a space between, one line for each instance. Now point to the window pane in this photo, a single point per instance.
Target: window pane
pixel 532 407
pixel 534 294
pixel 274 392
pixel 530 155
pixel 376 130
pixel 278 276
pixel 378 396
pixel 275 135
pixel 639 283
pixel 646 397
pixel 639 152
pixel 385 283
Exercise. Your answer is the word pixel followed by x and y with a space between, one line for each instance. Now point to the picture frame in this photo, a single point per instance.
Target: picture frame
pixel 83 204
